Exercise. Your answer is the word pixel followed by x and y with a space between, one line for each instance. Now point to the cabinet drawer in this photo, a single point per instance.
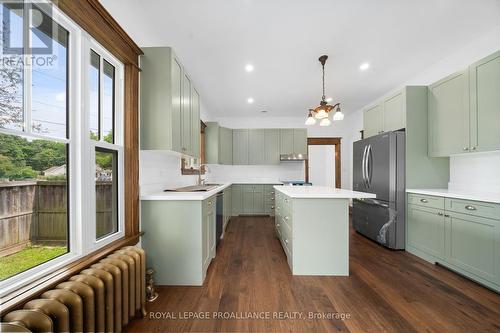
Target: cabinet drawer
pixel 286 235
pixel 426 200
pixel 475 208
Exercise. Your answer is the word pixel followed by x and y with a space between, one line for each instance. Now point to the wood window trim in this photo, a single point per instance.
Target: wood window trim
pixel 192 171
pixel 328 141
pixel 92 17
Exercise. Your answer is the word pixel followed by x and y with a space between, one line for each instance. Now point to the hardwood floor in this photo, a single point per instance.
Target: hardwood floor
pixel 390 291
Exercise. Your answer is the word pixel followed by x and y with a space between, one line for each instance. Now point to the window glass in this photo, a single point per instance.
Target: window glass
pixel 108 105
pixel 50 82
pixel 11 69
pixel 94 83
pixel 106 191
pixel 34 219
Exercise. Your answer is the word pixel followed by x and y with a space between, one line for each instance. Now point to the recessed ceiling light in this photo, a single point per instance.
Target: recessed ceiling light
pixel 249 68
pixel 329 99
pixel 364 66
pixel 250 100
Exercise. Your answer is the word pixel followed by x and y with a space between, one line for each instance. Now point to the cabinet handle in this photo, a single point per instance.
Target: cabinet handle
pixel 469 207
pixel 446 215
pixel 278 225
pixel 472 148
pixel 210 203
pixel 440 214
pixel 424 200
pixel 286 218
pixel 466 148
pixel 272 207
pixel 286 241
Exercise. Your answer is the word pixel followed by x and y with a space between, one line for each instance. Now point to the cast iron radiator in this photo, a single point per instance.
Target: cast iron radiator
pixel 102 298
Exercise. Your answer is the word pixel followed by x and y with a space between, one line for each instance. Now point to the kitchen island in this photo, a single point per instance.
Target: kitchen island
pixel 312 224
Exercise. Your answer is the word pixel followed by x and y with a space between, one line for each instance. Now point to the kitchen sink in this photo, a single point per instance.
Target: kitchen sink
pixel 194 188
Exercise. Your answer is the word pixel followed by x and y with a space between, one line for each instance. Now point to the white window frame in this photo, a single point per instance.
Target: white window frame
pixel 81 155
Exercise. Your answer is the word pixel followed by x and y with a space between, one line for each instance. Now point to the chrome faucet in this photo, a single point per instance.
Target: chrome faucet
pixel 200 180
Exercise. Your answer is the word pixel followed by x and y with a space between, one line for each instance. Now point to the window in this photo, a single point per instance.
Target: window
pixel 61 119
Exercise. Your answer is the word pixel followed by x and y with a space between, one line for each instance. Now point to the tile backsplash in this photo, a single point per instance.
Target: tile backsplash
pixel 477 172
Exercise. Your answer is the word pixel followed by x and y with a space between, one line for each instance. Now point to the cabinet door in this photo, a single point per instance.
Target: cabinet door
pixel 195 124
pixel 300 141
pixel 394 112
pixel 473 244
pixel 212 134
pixel 449 115
pixel 426 230
pixel 176 89
pixel 248 199
pixel 240 146
pixel 213 233
pixel 237 199
pixel 272 146
pixel 186 116
pixel 226 146
pixel 256 145
pixel 258 199
pixel 286 141
pixel 485 104
pixel 373 120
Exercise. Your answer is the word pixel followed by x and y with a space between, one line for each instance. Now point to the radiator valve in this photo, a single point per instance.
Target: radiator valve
pixel 151 293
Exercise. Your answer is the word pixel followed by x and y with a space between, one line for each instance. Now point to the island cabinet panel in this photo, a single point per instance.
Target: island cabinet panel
pixel 169 104
pixel 463 235
pixel 180 239
pixel 485 103
pixel 240 146
pixel 314 233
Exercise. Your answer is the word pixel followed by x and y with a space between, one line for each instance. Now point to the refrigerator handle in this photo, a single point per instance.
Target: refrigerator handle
pixel 363 162
pixel 369 165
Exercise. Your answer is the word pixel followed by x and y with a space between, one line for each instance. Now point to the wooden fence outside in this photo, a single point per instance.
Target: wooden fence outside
pixel 36 212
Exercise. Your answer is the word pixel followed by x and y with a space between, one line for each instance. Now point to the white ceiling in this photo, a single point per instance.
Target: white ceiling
pixel 215 39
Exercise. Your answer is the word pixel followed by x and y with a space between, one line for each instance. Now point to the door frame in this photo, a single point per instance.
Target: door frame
pixel 322 142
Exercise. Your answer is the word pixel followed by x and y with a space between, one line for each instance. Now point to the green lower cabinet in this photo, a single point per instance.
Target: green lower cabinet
pixel 237 199
pixel 258 199
pixel 473 245
pixel 466 243
pixel 248 200
pixel 426 231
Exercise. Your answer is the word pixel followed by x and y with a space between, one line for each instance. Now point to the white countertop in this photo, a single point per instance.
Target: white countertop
pixel 176 196
pixel 322 192
pixel 466 195
pixel 250 181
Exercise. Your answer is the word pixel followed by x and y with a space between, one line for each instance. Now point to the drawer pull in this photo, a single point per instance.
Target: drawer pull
pixel 446 215
pixel 424 200
pixel 287 218
pixel 440 214
pixel 469 207
pixel 278 225
pixel 286 241
pixel 272 207
pixel 210 203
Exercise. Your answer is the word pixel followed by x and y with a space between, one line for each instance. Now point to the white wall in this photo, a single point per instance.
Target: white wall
pixel 477 172
pixel 322 165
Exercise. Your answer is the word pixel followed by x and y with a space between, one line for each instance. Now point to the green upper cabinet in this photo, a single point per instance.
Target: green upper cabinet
pixel 485 104
pixel 240 146
pixel 286 138
pixel 195 124
pixel 226 146
pixel 449 115
pixel 256 146
pixel 169 104
pixel 300 141
pixel 218 144
pixel 394 112
pixel 373 120
pixel 293 141
pixel 272 146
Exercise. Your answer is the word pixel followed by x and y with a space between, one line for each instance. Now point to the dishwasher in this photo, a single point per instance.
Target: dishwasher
pixel 219 208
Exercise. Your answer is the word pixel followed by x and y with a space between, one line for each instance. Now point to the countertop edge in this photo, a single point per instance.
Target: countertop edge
pixel 484 197
pixel 345 195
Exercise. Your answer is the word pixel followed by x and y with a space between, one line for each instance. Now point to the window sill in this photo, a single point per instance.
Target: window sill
pixel 21 295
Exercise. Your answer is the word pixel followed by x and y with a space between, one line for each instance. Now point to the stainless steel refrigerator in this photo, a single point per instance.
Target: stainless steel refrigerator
pixel 379 168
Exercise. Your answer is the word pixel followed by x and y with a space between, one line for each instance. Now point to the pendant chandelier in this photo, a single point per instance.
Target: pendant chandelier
pixel 322 111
